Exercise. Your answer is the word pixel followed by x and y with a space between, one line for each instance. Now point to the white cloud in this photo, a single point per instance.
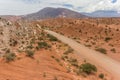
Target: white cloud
pixel 103 5
pixel 19 7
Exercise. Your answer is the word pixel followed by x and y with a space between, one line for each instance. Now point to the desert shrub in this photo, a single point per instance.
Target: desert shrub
pixel 64 57
pixel 7 50
pixel 107 39
pixel 70 50
pixel 101 75
pixel 42 45
pixel 13 42
pixel 88 45
pixel 32 41
pixel 53 57
pixel 57 59
pixel 40 38
pixel 102 50
pixel 30 47
pixel 88 68
pixel 29 53
pixel 113 50
pixel 73 62
pixel 10 57
pixel 52 38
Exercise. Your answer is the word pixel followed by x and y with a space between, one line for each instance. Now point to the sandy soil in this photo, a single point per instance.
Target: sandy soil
pixel 99 59
pixel 39 68
pixel 89 32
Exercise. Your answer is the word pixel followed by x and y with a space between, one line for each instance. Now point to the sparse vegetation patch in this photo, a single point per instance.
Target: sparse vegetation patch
pixel 87 68
pixel 29 53
pixel 9 57
pixel 102 50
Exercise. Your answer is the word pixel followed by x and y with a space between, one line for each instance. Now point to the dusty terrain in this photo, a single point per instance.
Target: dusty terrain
pixel 42 67
pixel 39 68
pixel 100 34
pixel 91 55
pixel 29 53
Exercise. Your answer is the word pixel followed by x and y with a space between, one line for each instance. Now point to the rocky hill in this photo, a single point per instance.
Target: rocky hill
pixel 53 13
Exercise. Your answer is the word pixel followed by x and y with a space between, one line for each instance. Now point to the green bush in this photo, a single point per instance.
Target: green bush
pixel 52 38
pixel 10 57
pixel 42 45
pixel 102 50
pixel 29 53
pixel 88 68
pixel 30 47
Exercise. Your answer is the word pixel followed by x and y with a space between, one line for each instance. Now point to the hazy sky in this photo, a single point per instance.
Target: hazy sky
pixel 19 7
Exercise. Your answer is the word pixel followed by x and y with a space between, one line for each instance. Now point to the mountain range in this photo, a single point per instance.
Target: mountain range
pixel 50 12
pixel 103 13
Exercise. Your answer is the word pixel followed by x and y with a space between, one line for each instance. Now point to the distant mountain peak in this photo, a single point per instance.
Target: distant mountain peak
pixel 103 13
pixel 50 12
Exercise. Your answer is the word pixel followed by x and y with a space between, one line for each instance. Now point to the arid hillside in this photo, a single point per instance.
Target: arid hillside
pixel 101 34
pixel 29 53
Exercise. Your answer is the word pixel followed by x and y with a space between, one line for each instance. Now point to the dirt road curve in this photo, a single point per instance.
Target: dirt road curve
pixel 97 58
